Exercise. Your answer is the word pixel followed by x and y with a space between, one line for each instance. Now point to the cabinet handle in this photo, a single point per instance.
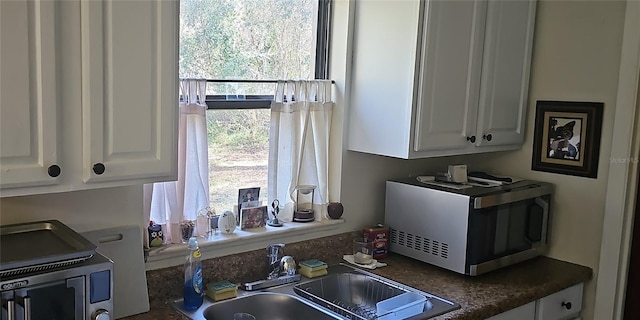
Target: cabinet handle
pixel 567 305
pixel 487 137
pixel 98 168
pixel 53 171
pixel 472 139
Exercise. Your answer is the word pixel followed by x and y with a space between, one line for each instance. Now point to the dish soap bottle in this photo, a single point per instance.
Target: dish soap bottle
pixel 193 290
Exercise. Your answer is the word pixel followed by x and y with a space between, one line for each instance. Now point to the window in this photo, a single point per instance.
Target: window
pixel 242 46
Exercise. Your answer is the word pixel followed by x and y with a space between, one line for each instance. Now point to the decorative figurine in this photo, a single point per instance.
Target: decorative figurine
pixel 227 222
pixel 335 210
pixel 156 238
pixel 275 205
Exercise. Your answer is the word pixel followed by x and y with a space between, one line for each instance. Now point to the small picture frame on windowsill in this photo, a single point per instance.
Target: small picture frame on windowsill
pixel 253 217
pixel 247 197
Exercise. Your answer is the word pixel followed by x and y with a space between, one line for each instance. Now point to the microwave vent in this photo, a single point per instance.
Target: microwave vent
pixel 418 243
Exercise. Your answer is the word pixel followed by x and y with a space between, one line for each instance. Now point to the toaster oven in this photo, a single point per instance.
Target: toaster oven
pixel 79 291
pixel 48 272
pixel 471 230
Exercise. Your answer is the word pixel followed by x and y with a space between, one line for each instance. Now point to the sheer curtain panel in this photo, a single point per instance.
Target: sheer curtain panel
pixel 299 143
pixel 176 201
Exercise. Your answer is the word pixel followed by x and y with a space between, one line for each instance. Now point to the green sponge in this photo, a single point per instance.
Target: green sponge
pixel 313 264
pixel 221 285
pixel 222 290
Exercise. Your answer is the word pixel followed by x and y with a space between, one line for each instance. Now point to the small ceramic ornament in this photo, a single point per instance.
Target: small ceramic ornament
pixel 335 210
pixel 227 222
pixel 156 238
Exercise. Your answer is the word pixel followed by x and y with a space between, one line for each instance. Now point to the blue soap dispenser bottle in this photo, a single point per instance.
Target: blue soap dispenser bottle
pixel 193 292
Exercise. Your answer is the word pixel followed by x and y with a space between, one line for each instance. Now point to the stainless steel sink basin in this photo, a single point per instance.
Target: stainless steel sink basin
pixel 265 305
pixel 334 296
pixel 355 294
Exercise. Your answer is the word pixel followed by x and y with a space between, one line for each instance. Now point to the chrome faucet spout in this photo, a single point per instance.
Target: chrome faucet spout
pixel 274 253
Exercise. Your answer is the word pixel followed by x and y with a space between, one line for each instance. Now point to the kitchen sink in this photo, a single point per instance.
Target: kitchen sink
pixel 345 292
pixel 359 295
pixel 265 305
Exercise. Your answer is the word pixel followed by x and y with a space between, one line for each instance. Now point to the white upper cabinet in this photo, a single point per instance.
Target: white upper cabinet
pixel 449 74
pixel 129 85
pixel 505 73
pixel 437 78
pixel 89 94
pixel 28 99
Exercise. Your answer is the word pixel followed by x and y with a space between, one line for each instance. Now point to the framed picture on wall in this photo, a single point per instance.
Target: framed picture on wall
pixel 567 137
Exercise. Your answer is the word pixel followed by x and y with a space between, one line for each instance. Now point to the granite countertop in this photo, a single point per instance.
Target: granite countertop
pixel 480 297
pixel 492 293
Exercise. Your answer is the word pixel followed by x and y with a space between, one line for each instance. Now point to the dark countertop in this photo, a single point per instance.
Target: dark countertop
pixel 480 297
pixel 492 293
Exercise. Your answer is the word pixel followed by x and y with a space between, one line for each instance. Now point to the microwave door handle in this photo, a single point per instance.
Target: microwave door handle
pixel 545 218
pixel 543 223
pixel 78 284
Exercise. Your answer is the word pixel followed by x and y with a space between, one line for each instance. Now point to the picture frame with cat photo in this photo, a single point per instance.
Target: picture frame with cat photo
pixel 567 137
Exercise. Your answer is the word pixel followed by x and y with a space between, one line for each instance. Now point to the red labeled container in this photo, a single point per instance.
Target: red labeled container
pixel 379 235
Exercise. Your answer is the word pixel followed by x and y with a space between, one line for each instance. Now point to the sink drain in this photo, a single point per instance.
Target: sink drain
pixel 243 316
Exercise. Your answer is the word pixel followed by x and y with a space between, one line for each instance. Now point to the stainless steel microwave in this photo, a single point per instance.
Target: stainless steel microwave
pixel 471 230
pixel 69 290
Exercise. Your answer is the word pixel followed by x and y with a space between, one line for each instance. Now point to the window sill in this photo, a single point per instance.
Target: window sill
pixel 240 241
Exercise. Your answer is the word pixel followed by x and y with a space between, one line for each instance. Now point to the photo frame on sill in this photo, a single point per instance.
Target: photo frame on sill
pixel 247 197
pixel 567 137
pixel 253 217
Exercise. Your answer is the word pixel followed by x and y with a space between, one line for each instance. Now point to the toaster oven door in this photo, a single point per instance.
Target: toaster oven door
pixel 507 233
pixel 62 299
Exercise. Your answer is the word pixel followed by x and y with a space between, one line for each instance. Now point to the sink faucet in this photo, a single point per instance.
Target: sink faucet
pixel 276 276
pixel 274 252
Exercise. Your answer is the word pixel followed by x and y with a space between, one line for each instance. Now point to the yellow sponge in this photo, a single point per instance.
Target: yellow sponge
pixel 312 274
pixel 312 265
pixel 222 290
pixel 313 268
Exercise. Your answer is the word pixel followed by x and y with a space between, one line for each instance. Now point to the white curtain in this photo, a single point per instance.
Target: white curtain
pixel 299 143
pixel 175 201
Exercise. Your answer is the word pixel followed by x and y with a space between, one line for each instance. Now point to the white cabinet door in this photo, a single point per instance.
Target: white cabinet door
pixel 29 151
pixel 449 74
pixel 505 72
pixel 129 89
pixel 383 71
pixel 525 312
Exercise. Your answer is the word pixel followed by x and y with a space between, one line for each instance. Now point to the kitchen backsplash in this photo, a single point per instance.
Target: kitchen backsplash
pixel 166 284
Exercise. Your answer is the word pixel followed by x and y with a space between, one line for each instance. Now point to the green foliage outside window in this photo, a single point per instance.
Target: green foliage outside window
pixel 247 39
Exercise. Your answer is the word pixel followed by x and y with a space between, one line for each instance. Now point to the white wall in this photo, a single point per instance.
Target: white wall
pixel 81 210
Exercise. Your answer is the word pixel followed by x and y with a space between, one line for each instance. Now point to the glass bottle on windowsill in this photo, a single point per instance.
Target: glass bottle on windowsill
pixel 186 230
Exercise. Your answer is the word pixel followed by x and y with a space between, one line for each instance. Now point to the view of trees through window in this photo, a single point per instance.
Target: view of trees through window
pixel 244 39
